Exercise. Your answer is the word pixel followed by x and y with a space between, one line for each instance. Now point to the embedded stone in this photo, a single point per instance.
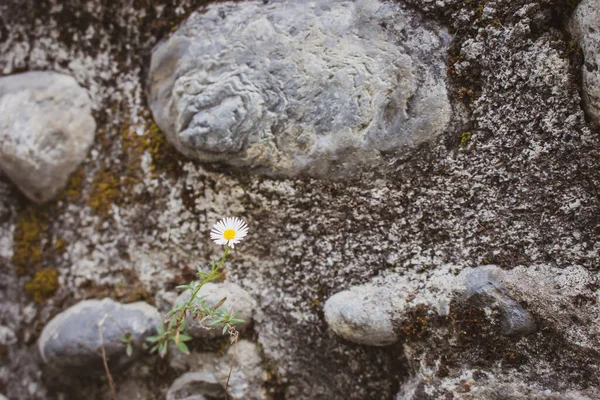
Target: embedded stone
pixel 483 284
pixel 71 341
pixel 585 28
pixel 293 87
pixel 209 372
pixel 46 130
pixel 212 293
pixel 362 314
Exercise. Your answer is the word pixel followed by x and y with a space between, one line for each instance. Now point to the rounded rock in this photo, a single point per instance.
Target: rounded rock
pixel 71 342
pixel 362 315
pixel 302 86
pixel 46 130
pixel 237 299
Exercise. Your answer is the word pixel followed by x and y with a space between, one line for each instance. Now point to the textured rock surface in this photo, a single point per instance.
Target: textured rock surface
pixel 70 341
pixel 483 285
pixel 512 182
pixel 297 86
pixel 213 293
pixel 585 28
pixel 363 315
pixel 46 130
pixel 209 374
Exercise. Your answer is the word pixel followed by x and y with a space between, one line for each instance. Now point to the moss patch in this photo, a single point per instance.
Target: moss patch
pixel 164 156
pixel 74 188
pixel 465 138
pixel 43 285
pixel 105 191
pixel 28 240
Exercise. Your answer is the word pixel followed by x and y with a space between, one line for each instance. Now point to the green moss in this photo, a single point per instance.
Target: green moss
pixel 43 285
pixel 27 240
pixel 74 188
pixel 105 191
pixel 164 157
pixel 465 138
pixel 60 245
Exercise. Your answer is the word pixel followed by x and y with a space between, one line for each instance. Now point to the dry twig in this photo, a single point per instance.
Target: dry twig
pixel 108 375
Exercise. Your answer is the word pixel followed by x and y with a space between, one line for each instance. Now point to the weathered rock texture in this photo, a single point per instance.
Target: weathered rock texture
pixel 296 86
pixel 71 340
pixel 512 182
pixel 585 27
pixel 46 130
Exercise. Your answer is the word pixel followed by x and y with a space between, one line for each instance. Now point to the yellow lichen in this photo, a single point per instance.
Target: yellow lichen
pixel 27 240
pixel 43 285
pixel 74 187
pixel 164 156
pixel 60 245
pixel 465 138
pixel 104 192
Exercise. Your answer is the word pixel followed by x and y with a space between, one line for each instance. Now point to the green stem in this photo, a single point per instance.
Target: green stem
pixel 214 272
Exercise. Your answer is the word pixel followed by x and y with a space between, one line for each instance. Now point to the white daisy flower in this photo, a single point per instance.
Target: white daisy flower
pixel 229 231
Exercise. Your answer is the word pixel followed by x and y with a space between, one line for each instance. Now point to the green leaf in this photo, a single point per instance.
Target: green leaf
pixel 183 287
pixel 129 350
pixel 125 339
pixel 183 347
pixel 160 328
pixel 234 321
pixel 153 339
pixel 172 322
pixel 162 349
pixel 182 326
pixel 184 338
pixel 154 348
pixel 224 329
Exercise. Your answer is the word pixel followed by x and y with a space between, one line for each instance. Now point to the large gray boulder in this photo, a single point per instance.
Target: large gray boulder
pixel 296 87
pixel 212 293
pixel 46 130
pixel 585 28
pixel 71 342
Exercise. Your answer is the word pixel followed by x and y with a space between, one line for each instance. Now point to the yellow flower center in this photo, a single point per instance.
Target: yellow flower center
pixel 229 234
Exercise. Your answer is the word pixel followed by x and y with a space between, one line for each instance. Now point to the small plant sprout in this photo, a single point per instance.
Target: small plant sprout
pixel 227 232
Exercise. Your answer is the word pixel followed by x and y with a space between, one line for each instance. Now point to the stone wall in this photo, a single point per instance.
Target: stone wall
pixel 434 164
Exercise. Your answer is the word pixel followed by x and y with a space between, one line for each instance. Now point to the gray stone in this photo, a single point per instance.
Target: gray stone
pixel 70 341
pixel 209 373
pixel 585 28
pixel 46 130
pixel 293 87
pixel 213 293
pixel 483 284
pixel 362 314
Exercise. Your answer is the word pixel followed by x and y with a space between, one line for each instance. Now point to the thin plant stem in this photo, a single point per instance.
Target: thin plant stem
pixel 111 383
pixel 235 342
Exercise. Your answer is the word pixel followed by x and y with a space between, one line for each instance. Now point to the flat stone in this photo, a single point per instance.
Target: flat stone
pixel 46 130
pixel 213 293
pixel 362 314
pixel 70 341
pixel 298 87
pixel 585 28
